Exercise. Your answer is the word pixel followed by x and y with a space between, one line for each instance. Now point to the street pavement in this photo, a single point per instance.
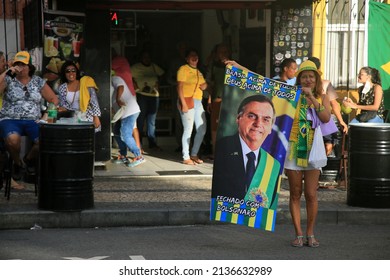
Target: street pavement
pixel 163 191
pixel 200 242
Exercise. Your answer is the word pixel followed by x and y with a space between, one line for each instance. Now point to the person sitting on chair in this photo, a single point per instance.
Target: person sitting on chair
pixel 21 110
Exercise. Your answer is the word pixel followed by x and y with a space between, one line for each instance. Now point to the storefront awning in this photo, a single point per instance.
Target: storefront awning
pixel 178 5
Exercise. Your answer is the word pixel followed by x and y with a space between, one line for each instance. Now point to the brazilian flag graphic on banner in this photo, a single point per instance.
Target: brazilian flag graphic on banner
pixel 379 44
pixel 236 198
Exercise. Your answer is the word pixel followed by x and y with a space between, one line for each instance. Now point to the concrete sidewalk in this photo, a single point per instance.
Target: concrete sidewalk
pixel 162 191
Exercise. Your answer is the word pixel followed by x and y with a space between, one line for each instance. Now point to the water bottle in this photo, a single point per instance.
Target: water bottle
pixel 51 113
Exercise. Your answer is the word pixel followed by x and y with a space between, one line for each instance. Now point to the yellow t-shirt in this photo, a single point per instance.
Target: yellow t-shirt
pixel 191 78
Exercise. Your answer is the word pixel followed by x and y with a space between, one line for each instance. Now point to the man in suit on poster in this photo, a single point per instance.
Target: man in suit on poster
pixel 242 169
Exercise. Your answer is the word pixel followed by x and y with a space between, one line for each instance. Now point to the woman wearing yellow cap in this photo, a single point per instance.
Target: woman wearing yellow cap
pixel 21 109
pixel 297 166
pixel 79 94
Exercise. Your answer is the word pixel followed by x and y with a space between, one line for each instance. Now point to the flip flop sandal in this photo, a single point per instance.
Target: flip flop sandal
pixel 189 162
pixel 314 243
pixel 298 241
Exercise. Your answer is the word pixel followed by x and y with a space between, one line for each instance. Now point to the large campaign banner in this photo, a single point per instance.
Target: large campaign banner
pixel 252 139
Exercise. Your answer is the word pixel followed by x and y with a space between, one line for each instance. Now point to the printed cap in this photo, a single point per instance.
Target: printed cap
pixel 23 57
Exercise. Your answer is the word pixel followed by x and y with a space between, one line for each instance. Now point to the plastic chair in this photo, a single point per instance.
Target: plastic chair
pixel 7 176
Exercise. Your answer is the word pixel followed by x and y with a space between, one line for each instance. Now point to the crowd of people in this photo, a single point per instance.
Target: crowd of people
pixel 135 104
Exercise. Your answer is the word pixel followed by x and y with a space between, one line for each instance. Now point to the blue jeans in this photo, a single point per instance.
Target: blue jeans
pixel 149 108
pixel 127 127
pixel 377 119
pixel 117 136
pixel 197 116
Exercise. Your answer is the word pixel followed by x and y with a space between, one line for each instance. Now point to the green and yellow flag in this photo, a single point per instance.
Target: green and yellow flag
pixel 379 44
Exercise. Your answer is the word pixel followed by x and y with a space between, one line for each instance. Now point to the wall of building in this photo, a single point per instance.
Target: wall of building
pixel 11 26
pixel 240 27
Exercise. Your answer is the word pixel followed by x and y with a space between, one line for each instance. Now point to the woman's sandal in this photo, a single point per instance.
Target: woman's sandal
pixel 298 241
pixel 196 159
pixel 189 162
pixel 312 242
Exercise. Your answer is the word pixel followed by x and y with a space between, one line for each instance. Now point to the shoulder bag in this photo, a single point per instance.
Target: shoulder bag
pixel 366 116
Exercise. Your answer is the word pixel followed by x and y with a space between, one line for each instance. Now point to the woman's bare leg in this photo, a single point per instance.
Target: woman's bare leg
pixel 295 182
pixel 311 183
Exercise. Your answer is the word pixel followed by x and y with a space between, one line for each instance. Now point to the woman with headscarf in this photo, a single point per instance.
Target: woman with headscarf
pixel 121 68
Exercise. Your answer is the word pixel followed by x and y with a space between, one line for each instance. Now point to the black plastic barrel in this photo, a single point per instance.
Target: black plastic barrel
pixel 330 172
pixel 66 165
pixel 369 165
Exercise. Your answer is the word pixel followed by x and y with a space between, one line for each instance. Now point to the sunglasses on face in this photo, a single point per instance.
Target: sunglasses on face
pixel 70 70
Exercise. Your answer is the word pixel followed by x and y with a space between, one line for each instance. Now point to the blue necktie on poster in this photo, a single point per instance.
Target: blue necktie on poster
pixel 250 169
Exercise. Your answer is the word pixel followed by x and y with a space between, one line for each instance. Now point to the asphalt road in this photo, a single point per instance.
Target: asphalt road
pixel 212 242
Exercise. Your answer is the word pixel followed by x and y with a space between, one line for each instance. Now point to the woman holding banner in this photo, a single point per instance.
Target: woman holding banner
pixel 297 166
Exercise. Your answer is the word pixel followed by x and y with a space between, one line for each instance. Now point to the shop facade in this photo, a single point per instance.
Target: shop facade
pixel 260 34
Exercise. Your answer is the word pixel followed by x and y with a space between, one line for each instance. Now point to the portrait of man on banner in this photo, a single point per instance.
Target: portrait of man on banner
pixel 255 117
pixel 252 137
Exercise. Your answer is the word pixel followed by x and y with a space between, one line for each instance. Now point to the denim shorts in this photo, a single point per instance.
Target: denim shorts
pixel 22 127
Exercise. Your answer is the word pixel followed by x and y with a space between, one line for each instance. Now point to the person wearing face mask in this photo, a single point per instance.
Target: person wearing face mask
pixel 191 84
pixel 370 97
pixel 21 110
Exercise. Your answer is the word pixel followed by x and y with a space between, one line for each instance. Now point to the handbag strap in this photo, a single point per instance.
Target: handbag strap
pixel 197 82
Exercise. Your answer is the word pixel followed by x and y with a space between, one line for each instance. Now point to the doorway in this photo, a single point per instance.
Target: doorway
pixel 253 49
